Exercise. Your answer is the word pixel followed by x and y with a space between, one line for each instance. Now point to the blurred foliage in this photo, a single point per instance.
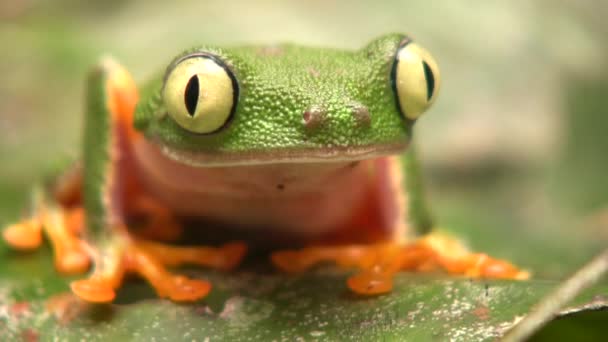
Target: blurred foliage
pixel 584 161
pixel 515 148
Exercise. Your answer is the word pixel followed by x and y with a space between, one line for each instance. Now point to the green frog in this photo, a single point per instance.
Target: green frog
pixel 298 145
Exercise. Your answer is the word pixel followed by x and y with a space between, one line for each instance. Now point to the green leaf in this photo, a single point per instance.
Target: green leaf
pixel 258 304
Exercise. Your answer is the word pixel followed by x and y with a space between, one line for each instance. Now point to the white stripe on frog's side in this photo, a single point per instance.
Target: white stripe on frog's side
pixel 402 232
pixel 389 186
pixel 286 156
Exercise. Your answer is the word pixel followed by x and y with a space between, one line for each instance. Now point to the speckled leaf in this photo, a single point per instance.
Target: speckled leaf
pixel 251 305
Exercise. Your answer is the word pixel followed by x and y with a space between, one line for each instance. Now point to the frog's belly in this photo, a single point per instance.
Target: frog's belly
pixel 306 198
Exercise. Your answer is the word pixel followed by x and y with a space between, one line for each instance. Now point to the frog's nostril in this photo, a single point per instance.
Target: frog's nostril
pixel 314 117
pixel 361 115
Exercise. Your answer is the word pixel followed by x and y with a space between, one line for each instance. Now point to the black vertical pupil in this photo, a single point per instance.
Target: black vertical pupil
pixel 191 95
pixel 430 80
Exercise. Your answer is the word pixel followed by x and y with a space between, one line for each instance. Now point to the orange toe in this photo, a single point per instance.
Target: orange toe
pixel 148 260
pixel 226 257
pixel 26 235
pixel 230 255
pixel 182 289
pixel 94 290
pixel 292 261
pixel 62 228
pixel 369 283
pixel 482 266
pixel 72 261
pixel 500 269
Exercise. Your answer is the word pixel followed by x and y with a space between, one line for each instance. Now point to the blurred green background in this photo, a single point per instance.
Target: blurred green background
pixel 516 147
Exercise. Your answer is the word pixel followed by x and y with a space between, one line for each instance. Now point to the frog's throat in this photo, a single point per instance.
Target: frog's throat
pixel 281 156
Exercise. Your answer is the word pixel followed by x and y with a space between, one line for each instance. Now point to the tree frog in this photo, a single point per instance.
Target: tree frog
pixel 307 146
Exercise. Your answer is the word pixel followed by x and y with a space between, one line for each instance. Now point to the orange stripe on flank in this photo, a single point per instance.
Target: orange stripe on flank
pixel 122 97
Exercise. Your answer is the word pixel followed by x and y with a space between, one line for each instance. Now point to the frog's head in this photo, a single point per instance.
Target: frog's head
pixel 287 103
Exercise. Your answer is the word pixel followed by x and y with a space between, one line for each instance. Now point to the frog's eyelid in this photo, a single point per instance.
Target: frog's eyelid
pixel 404 43
pixel 216 59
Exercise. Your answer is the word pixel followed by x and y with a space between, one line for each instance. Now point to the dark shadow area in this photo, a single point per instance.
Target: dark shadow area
pixel 587 326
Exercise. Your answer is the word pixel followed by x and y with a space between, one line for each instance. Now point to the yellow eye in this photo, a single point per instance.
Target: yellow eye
pixel 200 93
pixel 415 79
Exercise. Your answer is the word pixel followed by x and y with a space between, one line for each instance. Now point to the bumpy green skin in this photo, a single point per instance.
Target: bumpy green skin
pixel 96 152
pixel 277 85
pixel 419 214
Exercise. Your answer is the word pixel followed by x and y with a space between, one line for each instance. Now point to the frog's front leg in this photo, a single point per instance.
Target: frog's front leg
pixel 378 262
pixel 120 254
pixel 101 196
pixel 110 189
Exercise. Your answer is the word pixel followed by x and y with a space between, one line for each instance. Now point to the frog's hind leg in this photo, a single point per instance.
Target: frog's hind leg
pixel 159 223
pixel 112 195
pixel 403 249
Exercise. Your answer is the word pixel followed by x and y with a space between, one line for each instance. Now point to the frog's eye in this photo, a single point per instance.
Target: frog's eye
pixel 415 78
pixel 200 93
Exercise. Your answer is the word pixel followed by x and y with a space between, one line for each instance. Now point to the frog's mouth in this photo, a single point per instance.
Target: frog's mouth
pixel 281 156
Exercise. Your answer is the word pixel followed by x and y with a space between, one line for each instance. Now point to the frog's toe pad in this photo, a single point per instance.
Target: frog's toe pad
pixel 290 261
pixel 482 266
pixel 94 290
pixel 183 289
pixel 369 283
pixel 72 261
pixel 25 235
pixel 231 255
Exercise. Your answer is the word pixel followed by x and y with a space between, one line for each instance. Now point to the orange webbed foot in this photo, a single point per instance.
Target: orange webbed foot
pixel 378 263
pixel 150 260
pixel 148 263
pixel 453 257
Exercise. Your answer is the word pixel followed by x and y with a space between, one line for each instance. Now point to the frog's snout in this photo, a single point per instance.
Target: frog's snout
pixel 316 116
